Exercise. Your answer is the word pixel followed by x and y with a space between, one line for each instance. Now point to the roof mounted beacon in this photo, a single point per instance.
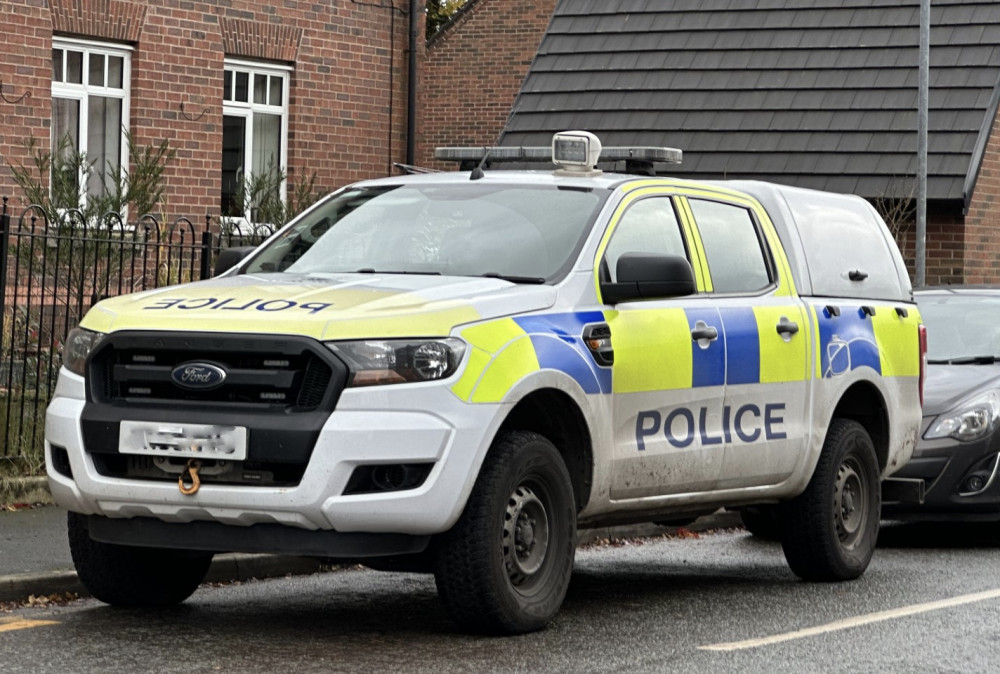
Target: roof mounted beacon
pixel 576 153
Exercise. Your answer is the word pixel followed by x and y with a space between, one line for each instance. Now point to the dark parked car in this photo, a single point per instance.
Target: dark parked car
pixel 958 451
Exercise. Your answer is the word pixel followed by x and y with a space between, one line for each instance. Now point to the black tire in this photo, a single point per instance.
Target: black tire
pixel 830 530
pixel 763 521
pixel 505 566
pixel 123 575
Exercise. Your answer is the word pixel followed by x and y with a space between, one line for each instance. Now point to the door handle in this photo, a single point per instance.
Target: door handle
pixel 704 332
pixel 787 327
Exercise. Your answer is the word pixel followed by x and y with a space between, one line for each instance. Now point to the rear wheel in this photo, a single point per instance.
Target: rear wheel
pixel 830 530
pixel 506 564
pixel 123 575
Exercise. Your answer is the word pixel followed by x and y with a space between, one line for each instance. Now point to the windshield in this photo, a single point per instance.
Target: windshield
pixel 965 327
pixel 517 232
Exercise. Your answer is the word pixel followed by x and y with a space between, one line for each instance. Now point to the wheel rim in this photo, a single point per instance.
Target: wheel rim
pixel 525 535
pixel 850 502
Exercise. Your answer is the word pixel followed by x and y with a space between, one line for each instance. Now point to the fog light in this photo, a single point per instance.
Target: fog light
pixel 975 483
pixel 372 479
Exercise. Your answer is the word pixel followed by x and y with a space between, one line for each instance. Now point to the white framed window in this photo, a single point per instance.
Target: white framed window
pixel 254 133
pixel 90 104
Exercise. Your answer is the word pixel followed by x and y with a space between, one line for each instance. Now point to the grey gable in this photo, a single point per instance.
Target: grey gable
pixel 816 93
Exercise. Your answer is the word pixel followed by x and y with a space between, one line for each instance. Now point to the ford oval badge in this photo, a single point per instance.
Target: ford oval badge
pixel 200 376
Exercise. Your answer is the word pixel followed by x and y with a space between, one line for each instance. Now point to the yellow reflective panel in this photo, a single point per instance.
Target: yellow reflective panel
pixel 652 350
pixel 814 324
pixel 417 324
pixel 478 361
pixel 509 366
pixel 786 284
pixel 782 361
pixel 898 341
pixel 317 312
pixel 703 278
pixel 502 355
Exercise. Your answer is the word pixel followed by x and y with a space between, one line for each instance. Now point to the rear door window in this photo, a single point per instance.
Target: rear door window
pixel 737 259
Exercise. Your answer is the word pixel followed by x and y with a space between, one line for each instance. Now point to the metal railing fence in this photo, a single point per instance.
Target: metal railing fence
pixel 52 273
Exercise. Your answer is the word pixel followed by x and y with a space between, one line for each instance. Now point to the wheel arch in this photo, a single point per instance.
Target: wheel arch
pixel 557 416
pixel 865 404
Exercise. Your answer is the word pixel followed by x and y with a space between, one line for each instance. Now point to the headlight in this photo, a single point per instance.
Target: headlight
pixel 79 344
pixel 975 419
pixel 395 361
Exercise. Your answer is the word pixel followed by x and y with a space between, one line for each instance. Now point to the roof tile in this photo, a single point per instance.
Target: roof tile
pixel 818 93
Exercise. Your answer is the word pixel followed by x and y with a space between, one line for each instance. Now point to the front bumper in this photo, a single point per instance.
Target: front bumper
pixel 377 425
pixel 260 538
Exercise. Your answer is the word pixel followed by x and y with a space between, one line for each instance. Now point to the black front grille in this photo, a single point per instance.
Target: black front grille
pixel 289 374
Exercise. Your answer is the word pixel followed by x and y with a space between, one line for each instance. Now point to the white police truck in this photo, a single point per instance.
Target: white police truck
pixel 455 371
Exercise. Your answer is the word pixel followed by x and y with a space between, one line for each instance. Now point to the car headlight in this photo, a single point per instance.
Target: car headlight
pixel 974 419
pixel 396 361
pixel 79 343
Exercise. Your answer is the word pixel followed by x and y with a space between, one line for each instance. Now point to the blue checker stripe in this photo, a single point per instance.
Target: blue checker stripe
pixel 847 342
pixel 742 345
pixel 557 340
pixel 708 365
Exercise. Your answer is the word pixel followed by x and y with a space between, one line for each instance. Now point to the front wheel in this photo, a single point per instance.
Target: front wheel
pixel 505 566
pixel 123 575
pixel 830 530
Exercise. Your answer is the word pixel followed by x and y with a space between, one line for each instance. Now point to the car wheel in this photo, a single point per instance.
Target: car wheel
pixel 830 530
pixel 123 575
pixel 505 566
pixel 763 522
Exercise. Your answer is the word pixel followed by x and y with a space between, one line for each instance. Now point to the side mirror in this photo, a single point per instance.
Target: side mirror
pixel 230 257
pixel 646 276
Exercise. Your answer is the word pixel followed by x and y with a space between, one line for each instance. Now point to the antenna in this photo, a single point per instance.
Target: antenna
pixel 477 172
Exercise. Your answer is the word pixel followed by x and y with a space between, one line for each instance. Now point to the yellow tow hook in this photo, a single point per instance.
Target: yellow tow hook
pixel 192 484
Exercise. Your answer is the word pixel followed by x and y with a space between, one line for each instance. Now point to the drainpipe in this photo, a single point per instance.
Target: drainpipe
pixel 411 84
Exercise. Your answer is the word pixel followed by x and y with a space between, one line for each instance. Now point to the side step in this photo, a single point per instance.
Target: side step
pixel 902 490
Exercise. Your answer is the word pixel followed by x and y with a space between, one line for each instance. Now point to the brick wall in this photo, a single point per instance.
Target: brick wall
pixel 944 249
pixel 981 251
pixel 347 113
pixel 26 74
pixel 473 70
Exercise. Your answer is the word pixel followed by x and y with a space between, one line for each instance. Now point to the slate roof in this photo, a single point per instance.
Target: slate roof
pixel 815 93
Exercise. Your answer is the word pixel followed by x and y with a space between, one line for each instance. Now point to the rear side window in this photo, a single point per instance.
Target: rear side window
pixel 736 258
pixel 848 251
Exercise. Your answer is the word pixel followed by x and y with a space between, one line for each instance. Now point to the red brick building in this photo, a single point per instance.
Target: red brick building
pixel 314 87
pixel 472 71
pixel 825 100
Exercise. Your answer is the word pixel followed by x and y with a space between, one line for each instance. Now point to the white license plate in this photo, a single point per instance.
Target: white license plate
pixel 198 441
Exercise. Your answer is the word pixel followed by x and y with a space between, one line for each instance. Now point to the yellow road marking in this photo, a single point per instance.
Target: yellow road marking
pixel 857 621
pixel 11 624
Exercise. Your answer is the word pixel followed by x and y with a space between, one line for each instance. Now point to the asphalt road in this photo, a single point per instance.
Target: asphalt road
pixel 930 602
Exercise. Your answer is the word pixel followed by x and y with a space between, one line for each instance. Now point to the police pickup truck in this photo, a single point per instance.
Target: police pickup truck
pixel 454 372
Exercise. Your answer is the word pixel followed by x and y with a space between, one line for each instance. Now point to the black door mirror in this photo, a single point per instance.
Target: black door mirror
pixel 645 276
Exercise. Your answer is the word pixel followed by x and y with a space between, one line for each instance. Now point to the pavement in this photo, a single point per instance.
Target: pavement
pixel 35 558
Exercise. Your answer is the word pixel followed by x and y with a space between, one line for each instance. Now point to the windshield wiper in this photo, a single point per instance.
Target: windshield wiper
pixel 965 360
pixel 534 280
pixel 369 270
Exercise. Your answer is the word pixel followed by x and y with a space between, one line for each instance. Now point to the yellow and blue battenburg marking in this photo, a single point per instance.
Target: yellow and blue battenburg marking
pixel 654 349
pixel 742 336
pixel 846 342
pixel 558 343
pixel 506 350
pixel 708 364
